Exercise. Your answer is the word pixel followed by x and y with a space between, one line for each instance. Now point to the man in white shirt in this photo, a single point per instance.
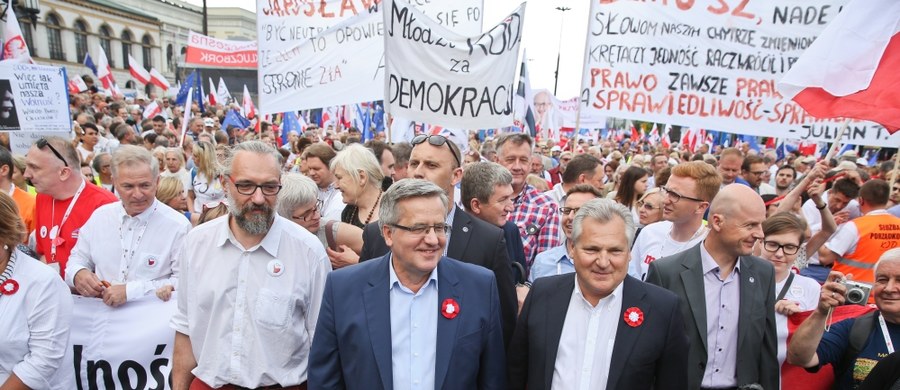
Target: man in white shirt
pixel 687 195
pixel 250 289
pixel 588 330
pixel 129 248
pixel 318 168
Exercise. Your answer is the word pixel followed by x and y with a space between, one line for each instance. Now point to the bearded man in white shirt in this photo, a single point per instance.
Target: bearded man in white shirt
pixel 250 289
pixel 129 248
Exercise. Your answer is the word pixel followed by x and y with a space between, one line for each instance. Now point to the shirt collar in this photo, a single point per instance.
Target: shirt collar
pixel 709 263
pixel 565 253
pixel 269 243
pixel 616 293
pixel 395 281
pixel 143 217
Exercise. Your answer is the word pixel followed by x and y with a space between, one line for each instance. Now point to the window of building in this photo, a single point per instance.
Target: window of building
pixel 170 56
pixel 81 43
pixel 54 38
pixel 25 25
pixel 146 46
pixel 126 47
pixel 105 38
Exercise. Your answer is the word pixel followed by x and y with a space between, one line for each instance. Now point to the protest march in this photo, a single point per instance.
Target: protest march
pixel 386 194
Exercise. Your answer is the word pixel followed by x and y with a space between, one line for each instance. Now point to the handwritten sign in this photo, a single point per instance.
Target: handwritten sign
pixel 209 52
pixel 435 76
pixel 709 64
pixel 331 52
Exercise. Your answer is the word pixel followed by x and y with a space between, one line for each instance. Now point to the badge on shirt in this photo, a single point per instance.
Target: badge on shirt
pixel 531 229
pixel 43 232
pixel 75 233
pixel 54 232
pixel 275 268
pixel 151 261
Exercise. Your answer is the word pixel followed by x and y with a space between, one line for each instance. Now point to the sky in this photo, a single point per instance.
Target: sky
pixel 541 38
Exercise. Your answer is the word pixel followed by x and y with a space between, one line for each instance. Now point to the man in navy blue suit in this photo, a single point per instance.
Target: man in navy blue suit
pixel 599 328
pixel 412 318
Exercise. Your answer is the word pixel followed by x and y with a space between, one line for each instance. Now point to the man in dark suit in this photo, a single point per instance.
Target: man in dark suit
pixel 727 296
pixel 599 328
pixel 471 240
pixel 412 318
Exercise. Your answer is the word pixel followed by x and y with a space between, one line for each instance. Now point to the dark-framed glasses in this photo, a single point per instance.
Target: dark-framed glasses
pixel 248 188
pixel 675 197
pixel 308 214
pixel 41 143
pixel 788 249
pixel 647 206
pixel 568 210
pixel 436 140
pixel 440 229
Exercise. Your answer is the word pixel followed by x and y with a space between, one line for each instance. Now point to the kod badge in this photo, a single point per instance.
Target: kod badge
pixel 275 268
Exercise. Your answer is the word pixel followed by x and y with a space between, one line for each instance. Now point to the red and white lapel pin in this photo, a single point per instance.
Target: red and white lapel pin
pixel 634 317
pixel 9 287
pixel 450 308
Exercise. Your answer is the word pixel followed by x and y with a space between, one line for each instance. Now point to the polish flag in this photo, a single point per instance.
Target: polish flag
pixel 247 108
pixel 665 137
pixel 77 85
pixel 213 99
pixel 158 79
pixel 14 47
pixel 850 70
pixel 153 109
pixel 137 71
pixel 104 73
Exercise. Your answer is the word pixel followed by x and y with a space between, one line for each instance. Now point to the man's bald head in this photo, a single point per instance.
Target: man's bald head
pixel 733 196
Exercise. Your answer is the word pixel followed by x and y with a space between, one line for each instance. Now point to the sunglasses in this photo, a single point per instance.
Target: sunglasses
pixel 41 143
pixel 436 140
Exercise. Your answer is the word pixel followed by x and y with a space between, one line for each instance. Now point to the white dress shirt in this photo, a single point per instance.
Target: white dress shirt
pixel 586 343
pixel 141 252
pixel 34 328
pixel 251 313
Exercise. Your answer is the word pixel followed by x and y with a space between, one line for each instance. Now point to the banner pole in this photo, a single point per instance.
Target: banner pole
pixel 896 170
pixel 835 145
pixel 390 122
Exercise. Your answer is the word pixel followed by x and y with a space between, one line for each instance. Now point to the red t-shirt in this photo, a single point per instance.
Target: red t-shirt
pixel 49 213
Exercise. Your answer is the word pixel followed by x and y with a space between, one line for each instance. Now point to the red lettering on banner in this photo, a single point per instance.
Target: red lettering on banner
pixel 757 88
pixel 608 79
pixel 311 8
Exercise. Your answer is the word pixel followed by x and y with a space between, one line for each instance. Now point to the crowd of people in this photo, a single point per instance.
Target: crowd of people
pixel 324 261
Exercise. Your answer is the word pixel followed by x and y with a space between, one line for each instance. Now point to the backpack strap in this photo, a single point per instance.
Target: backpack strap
pixel 329 234
pixel 859 334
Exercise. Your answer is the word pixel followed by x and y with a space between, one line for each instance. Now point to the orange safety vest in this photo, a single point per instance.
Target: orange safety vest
pixel 877 234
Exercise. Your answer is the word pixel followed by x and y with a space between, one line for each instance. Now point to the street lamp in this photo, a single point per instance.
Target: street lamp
pixel 559 47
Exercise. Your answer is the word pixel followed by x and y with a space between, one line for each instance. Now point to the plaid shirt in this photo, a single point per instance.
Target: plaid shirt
pixel 535 215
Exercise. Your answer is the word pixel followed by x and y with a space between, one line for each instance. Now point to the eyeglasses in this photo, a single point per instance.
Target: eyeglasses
pixel 647 206
pixel 567 210
pixel 41 143
pixel 675 197
pixel 436 140
pixel 440 229
pixel 245 188
pixel 788 249
pixel 757 173
pixel 309 213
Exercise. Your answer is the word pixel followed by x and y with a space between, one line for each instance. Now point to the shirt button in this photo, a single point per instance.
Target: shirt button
pixel 721 327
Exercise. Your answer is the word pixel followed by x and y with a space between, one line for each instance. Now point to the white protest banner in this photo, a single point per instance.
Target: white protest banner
pixel 34 98
pixel 127 347
pixel 436 76
pixel 286 29
pixel 710 64
pixel 209 52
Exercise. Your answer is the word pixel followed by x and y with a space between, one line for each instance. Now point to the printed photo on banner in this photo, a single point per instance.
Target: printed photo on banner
pixel 9 118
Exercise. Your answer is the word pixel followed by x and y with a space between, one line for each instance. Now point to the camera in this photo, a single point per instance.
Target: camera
pixel 857 292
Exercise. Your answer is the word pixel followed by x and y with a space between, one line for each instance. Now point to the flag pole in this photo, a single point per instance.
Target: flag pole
pixel 390 122
pixel 836 144
pixel 587 47
pixel 187 113
pixel 896 171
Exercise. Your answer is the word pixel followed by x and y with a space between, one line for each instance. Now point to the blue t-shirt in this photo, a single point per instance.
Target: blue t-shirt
pixel 837 340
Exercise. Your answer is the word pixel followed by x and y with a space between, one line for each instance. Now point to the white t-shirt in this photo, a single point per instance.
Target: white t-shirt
pixel 205 191
pixel 182 175
pixel 656 242
pixel 814 219
pixel 804 291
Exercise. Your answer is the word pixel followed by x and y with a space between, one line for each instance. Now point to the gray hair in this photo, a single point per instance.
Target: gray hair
pixel 405 189
pixel 178 155
pixel 257 147
pixel 888 256
pixel 515 139
pixel 296 190
pixel 355 158
pixel 97 162
pixel 131 155
pixel 603 211
pixel 480 180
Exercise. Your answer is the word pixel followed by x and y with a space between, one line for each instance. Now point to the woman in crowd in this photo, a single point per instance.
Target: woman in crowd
pixel 609 178
pixel 784 235
pixel 358 175
pixel 175 168
pixel 297 201
pixel 650 207
pixel 171 192
pixel 206 186
pixel 632 186
pixel 35 313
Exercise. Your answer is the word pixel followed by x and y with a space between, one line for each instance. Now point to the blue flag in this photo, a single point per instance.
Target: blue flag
pixel 378 118
pixel 751 140
pixel 289 123
pixel 88 62
pixel 233 118
pixel 364 121
pixel 193 80
pixel 844 149
pixel 872 157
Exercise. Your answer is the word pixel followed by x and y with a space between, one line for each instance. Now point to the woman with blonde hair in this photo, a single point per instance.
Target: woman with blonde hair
pixel 358 175
pixel 206 186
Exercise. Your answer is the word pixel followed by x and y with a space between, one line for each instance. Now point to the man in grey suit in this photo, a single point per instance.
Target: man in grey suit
pixel 727 297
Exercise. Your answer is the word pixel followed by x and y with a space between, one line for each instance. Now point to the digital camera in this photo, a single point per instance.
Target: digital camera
pixel 857 292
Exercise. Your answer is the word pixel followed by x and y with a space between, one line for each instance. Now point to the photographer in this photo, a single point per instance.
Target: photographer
pixel 855 345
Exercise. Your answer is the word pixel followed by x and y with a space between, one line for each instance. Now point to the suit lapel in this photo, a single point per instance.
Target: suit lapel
pixel 626 335
pixel 377 301
pixel 692 278
pixel 747 289
pixel 459 234
pixel 446 329
pixel 555 316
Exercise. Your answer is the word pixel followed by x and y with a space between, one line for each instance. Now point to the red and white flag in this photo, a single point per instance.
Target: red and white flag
pixel 213 99
pixel 158 79
pixel 104 73
pixel 77 85
pixel 247 108
pixel 153 109
pixel 137 71
pixel 850 70
pixel 14 47
pixel 665 137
